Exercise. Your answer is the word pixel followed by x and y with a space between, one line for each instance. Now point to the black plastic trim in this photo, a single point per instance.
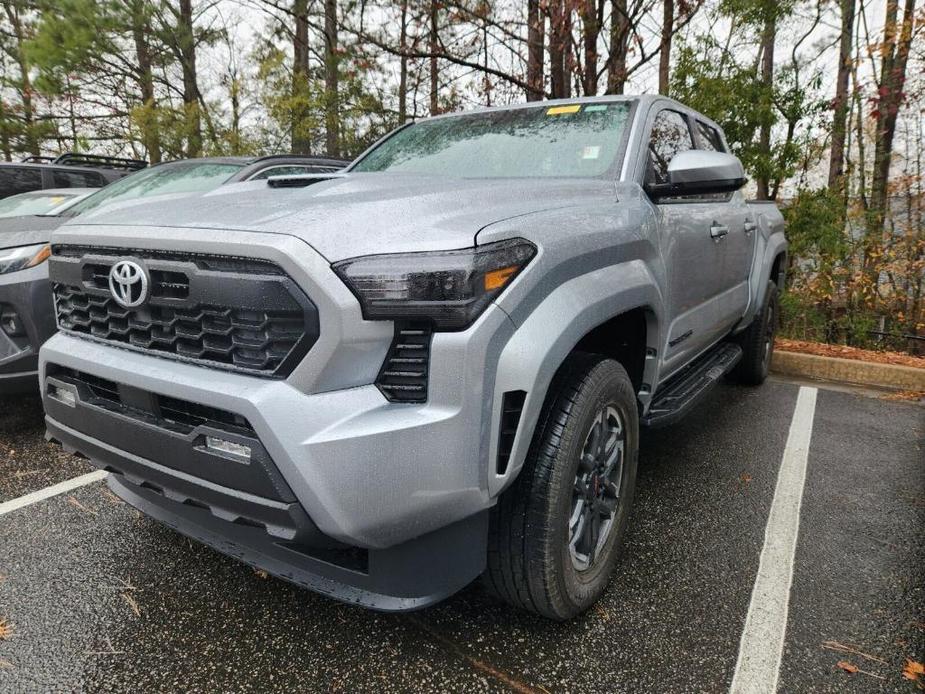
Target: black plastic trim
pixel 210 296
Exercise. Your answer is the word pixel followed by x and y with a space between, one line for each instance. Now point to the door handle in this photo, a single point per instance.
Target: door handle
pixel 749 226
pixel 718 231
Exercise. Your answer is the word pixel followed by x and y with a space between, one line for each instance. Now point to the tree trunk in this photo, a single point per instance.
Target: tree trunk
pixel 301 143
pixel 187 44
pixel 434 47
pixel 140 32
pixel 665 46
pixel 894 52
pixel 619 35
pixel 559 45
pixel 331 59
pixel 535 40
pixel 840 104
pixel 403 65
pixel 591 30
pixel 768 39
pixel 30 137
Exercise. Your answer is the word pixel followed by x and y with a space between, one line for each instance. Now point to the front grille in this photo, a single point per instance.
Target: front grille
pixel 226 312
pixel 181 416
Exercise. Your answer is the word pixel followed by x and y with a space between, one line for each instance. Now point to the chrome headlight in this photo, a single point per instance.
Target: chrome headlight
pixel 22 257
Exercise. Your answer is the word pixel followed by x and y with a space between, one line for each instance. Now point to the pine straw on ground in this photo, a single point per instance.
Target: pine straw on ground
pixel 842 352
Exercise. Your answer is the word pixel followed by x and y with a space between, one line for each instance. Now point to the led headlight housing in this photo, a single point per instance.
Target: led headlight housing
pixel 448 288
pixel 22 257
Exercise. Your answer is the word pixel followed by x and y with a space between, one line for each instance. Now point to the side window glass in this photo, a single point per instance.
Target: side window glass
pixel 708 138
pixel 76 179
pixel 19 179
pixel 670 135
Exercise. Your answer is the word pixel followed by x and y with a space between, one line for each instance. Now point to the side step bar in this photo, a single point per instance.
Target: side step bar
pixel 673 400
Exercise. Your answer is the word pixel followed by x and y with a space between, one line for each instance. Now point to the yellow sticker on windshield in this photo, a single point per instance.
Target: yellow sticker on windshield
pixel 556 110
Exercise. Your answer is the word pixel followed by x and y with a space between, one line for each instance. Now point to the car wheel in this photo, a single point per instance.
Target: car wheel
pixel 757 342
pixel 556 533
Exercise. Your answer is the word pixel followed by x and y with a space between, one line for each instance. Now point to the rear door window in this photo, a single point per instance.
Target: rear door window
pixel 670 135
pixel 77 179
pixel 19 179
pixel 709 138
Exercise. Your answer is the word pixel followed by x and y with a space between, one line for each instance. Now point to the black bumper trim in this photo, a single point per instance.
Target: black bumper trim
pixel 410 576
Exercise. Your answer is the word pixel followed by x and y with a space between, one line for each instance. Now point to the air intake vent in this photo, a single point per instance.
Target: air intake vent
pixel 403 377
pixel 512 404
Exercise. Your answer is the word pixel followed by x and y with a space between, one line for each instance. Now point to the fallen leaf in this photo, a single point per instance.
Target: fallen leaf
pixel 5 664
pixel 132 604
pixel 847 667
pixel 261 573
pixel 745 478
pixel 6 630
pixel 913 670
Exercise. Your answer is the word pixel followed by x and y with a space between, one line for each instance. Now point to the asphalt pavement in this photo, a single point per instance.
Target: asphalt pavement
pixel 100 598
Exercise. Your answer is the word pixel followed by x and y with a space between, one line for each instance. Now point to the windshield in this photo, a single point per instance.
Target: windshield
pixel 176 177
pixel 562 140
pixel 38 202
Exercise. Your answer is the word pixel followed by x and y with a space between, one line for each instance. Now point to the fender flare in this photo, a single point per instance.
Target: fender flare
pixel 545 338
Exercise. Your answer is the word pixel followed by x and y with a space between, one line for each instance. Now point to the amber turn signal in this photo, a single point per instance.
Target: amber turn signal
pixel 498 278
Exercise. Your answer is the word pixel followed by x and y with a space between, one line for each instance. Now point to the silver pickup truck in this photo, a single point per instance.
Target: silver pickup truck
pixel 384 383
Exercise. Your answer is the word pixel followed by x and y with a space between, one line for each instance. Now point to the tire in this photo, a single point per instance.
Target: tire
pixel 537 544
pixel 757 342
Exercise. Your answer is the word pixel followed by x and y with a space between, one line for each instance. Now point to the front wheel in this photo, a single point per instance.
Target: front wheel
pixel 556 533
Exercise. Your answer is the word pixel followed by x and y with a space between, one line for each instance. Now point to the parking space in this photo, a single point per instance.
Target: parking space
pixel 102 598
pixel 27 462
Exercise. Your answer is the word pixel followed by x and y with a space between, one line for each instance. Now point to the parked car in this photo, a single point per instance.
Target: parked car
pixel 69 170
pixel 26 307
pixel 51 202
pixel 205 173
pixel 431 367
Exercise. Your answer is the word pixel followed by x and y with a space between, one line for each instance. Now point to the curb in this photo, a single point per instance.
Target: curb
pixel 860 373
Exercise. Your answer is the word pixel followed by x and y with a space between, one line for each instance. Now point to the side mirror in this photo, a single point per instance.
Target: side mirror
pixel 699 172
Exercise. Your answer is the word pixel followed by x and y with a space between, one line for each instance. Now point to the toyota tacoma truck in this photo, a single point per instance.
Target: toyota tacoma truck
pixel 383 383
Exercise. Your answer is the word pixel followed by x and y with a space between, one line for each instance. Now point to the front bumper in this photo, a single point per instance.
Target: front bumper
pixel 405 487
pixel 27 295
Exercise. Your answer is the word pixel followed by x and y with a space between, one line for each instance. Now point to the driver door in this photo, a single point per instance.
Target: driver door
pixel 692 230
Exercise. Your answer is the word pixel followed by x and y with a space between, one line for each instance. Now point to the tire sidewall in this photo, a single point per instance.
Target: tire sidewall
pixel 608 385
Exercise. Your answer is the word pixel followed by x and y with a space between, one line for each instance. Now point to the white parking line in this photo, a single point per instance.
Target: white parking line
pixel 51 491
pixel 762 645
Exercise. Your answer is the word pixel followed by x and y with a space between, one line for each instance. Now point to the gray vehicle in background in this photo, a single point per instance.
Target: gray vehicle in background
pixel 27 220
pixel 70 170
pixel 384 383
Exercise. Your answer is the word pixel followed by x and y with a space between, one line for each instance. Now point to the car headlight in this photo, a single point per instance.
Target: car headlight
pixel 448 288
pixel 22 257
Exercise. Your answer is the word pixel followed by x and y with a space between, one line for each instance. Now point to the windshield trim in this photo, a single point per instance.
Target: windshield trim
pixel 616 166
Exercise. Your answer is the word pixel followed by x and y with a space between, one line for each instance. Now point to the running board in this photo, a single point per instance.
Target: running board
pixel 683 391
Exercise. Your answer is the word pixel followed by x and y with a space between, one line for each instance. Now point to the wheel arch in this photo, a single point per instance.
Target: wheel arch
pixel 569 320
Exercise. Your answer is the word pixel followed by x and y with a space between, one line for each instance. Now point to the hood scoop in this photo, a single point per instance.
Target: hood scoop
pixel 300 180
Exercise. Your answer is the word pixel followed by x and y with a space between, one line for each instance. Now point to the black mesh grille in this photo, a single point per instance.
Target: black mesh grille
pixel 227 312
pixel 403 377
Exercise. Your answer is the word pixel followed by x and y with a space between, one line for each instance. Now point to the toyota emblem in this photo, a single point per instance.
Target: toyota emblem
pixel 128 283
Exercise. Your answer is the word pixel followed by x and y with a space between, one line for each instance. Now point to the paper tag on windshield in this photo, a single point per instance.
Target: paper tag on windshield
pixel 592 152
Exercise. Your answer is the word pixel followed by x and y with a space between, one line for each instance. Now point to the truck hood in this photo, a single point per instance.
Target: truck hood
pixel 26 230
pixel 359 214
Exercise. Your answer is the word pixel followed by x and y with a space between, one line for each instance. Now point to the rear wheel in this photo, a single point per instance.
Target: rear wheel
pixel 556 533
pixel 757 342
